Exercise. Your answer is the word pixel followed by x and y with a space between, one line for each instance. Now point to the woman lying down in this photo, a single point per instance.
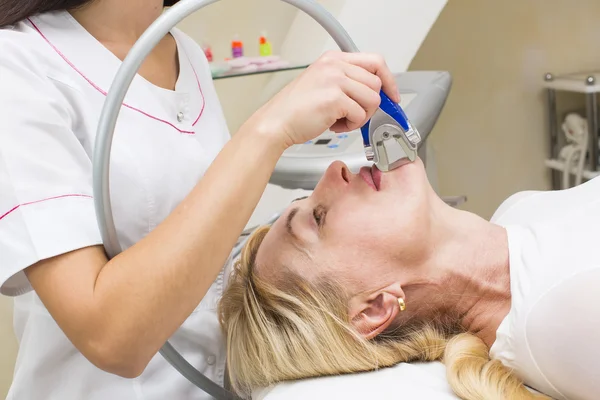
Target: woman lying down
pixel 375 269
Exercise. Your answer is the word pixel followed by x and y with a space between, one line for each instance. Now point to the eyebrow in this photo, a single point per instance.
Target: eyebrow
pixel 288 222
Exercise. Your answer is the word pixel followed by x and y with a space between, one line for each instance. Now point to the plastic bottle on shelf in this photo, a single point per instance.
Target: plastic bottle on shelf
pixel 264 46
pixel 208 52
pixel 237 47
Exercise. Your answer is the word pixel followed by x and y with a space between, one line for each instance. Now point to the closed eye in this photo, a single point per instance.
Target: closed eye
pixel 299 198
pixel 319 214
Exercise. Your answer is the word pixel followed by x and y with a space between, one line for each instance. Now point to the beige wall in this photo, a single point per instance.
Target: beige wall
pixel 491 140
pixel 8 345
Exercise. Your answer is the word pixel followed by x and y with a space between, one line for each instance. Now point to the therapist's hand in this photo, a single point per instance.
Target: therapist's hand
pixel 340 92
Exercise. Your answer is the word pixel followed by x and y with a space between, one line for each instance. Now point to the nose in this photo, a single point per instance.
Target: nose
pixel 336 178
pixel 337 174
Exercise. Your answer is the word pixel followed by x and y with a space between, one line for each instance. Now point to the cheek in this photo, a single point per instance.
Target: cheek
pixel 356 267
pixel 364 223
pixel 383 230
pixel 359 236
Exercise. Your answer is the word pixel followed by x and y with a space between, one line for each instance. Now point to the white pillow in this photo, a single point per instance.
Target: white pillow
pixel 403 381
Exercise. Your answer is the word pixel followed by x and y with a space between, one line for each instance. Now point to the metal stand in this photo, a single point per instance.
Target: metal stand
pixel 586 84
pixel 591 107
pixel 552 129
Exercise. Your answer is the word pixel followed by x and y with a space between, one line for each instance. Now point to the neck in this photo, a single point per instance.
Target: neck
pixel 466 273
pixel 118 21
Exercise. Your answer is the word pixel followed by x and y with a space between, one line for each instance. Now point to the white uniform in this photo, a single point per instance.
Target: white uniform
pixel 550 336
pixel 53 81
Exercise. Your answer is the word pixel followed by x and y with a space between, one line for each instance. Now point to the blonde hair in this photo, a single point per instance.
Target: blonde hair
pixel 302 330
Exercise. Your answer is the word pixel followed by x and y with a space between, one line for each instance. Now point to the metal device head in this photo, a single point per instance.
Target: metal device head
pixel 390 139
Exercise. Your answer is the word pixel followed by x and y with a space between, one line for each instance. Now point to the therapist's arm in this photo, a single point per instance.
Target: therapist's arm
pixel 119 313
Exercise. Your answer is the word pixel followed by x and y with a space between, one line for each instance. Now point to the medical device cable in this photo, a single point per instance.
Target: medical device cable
pixel 106 128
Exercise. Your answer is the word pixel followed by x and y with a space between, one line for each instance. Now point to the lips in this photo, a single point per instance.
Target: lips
pixel 371 179
pixel 376 174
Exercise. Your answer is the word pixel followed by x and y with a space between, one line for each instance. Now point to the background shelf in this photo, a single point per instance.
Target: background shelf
pixel 580 82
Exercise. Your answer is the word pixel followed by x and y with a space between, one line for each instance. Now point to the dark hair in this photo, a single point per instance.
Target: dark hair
pixel 13 11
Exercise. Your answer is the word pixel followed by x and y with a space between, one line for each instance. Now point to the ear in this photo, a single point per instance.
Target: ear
pixel 373 315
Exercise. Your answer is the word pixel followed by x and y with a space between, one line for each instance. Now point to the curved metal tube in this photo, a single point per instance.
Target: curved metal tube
pixel 108 120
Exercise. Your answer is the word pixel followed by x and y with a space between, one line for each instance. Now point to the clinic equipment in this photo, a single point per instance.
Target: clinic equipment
pixel 573 154
pixel 389 139
pixel 301 166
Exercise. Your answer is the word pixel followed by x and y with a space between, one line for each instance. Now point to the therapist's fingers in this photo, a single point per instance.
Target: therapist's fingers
pixel 363 76
pixel 375 64
pixel 355 116
pixel 368 98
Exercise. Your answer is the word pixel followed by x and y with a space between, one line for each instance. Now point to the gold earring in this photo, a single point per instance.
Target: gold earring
pixel 402 304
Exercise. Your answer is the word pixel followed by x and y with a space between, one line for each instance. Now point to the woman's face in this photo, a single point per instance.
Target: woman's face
pixel 356 229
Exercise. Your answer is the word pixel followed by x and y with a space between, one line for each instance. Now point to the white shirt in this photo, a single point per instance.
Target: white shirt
pixel 421 380
pixel 53 80
pixel 550 338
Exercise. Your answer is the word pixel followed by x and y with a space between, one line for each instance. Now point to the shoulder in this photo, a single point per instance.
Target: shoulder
pixel 537 206
pixel 18 44
pixel 510 204
pixel 562 328
pixel 24 51
pixel 26 67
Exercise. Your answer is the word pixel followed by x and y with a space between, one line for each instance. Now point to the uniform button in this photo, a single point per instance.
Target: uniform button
pixel 210 360
pixel 180 116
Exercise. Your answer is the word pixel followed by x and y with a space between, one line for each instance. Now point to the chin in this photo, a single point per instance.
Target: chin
pixel 408 177
pixel 415 167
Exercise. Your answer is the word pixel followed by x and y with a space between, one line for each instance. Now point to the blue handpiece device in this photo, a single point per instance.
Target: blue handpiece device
pixel 389 138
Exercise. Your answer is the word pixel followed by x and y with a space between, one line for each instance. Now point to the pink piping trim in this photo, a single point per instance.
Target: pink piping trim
pixel 103 92
pixel 42 200
pixel 200 88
